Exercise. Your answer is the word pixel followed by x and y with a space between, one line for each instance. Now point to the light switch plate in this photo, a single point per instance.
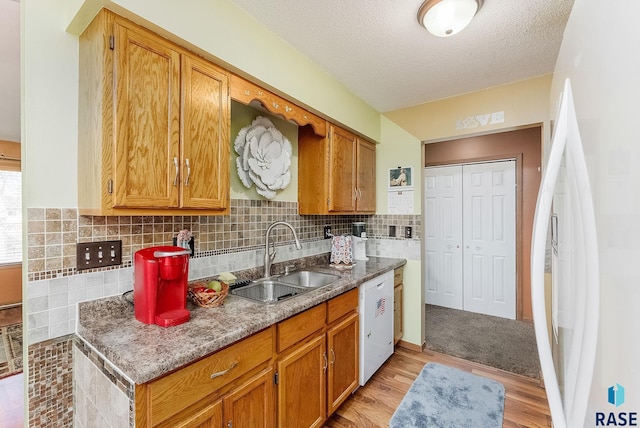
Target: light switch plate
pixel 91 255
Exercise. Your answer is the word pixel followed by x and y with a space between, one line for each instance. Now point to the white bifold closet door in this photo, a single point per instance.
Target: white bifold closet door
pixel 470 217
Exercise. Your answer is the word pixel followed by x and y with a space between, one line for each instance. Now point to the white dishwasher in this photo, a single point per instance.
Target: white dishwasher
pixel 376 324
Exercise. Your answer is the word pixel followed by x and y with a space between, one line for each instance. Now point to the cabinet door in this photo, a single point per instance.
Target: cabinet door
pixel 342 343
pixel 342 170
pixel 397 313
pixel 366 178
pixel 205 135
pixel 302 385
pixel 146 127
pixel 252 404
pixel 209 417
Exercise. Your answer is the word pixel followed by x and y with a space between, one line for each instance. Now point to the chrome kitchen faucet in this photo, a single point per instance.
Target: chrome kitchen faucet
pixel 269 257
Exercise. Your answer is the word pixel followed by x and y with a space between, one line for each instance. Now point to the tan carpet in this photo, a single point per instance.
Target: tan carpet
pixel 10 350
pixel 497 342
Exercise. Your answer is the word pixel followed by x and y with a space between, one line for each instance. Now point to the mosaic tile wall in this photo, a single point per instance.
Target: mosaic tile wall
pixel 50 383
pixel 52 233
pixel 222 243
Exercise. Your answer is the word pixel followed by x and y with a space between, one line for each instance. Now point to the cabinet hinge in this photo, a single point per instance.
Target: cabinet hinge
pixel 230 424
pixel 110 186
pixel 276 378
pixel 112 42
pixel 328 202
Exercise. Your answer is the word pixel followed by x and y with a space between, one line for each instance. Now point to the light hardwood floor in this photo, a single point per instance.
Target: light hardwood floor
pixel 373 405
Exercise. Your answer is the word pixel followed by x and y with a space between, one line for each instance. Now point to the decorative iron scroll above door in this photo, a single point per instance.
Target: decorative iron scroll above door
pixel 264 157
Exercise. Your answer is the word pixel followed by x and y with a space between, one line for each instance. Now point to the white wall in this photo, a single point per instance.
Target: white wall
pixel 599 54
pixel 49 108
pixel 10 70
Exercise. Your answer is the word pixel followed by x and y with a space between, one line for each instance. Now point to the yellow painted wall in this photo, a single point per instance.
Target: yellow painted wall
pixel 241 116
pixel 224 33
pixel 523 103
pixel 398 148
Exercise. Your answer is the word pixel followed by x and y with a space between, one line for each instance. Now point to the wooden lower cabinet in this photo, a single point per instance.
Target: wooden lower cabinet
pixel 188 397
pixel 302 385
pixel 249 406
pixel 316 375
pixel 293 374
pixel 209 417
pixel 342 343
pixel 397 305
pixel 252 404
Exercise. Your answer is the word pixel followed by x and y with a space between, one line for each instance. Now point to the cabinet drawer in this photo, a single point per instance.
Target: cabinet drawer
pixel 397 275
pixel 342 305
pixel 174 392
pixel 296 328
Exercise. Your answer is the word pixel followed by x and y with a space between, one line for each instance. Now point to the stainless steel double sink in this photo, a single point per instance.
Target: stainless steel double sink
pixel 279 288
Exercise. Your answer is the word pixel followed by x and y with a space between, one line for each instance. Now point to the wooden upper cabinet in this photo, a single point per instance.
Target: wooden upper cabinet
pixel 147 122
pixel 336 173
pixel 205 135
pixel 154 125
pixel 366 177
pixel 342 170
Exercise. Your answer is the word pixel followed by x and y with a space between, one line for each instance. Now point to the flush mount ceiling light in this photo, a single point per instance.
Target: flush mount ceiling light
pixel 444 18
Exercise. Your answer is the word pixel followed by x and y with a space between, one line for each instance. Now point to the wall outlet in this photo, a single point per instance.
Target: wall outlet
pixel 408 233
pixel 392 231
pixel 90 255
pixel 327 232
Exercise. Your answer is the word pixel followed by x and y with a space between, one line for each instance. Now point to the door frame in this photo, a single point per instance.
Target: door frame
pixel 498 158
pixel 527 151
pixel 11 273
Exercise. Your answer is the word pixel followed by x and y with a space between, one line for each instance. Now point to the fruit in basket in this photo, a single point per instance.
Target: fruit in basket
pixel 215 286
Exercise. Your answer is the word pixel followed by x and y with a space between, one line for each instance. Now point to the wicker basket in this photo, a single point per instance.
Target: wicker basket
pixel 208 299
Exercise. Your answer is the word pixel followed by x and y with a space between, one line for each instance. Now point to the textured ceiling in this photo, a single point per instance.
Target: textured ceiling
pixel 377 49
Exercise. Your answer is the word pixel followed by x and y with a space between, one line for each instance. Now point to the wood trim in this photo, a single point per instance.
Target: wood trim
pixel 525 146
pixel 11 280
pixel 10 155
pixel 244 91
pixel 412 346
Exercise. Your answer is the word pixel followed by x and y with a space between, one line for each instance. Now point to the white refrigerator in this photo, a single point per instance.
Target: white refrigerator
pixel 587 225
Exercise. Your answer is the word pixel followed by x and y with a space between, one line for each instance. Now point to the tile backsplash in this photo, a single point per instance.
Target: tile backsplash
pixel 222 243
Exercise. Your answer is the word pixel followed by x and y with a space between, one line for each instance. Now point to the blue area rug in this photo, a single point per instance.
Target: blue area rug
pixel 445 397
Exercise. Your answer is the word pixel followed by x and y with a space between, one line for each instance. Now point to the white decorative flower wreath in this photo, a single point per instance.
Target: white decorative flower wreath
pixel 264 157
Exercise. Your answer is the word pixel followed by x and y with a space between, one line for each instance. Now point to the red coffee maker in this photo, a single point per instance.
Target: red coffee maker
pixel 160 285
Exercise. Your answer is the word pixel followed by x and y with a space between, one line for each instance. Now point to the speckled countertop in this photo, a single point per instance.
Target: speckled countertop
pixel 144 352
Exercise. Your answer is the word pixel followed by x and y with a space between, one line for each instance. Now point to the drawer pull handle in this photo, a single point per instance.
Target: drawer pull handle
pixel 326 363
pixel 333 356
pixel 224 372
